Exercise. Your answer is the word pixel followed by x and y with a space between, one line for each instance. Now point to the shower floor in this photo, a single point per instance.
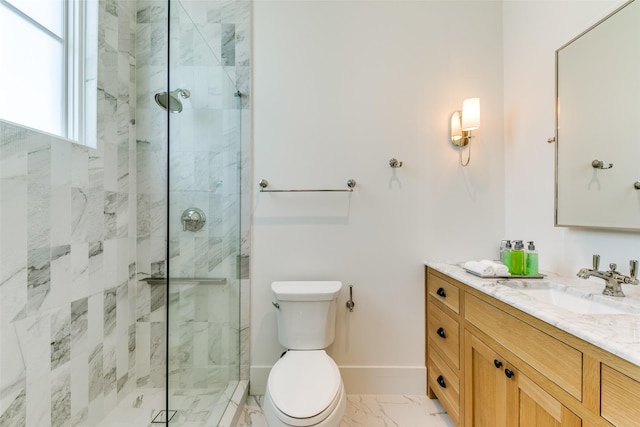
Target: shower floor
pixel 194 407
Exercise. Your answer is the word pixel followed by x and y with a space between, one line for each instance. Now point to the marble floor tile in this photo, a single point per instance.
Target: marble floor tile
pixel 194 407
pixel 369 411
pixel 137 409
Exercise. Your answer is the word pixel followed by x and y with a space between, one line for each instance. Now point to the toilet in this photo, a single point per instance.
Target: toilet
pixel 304 387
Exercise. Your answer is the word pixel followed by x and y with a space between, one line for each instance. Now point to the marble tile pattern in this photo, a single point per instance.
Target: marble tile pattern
pixel 203 336
pixel 616 333
pixel 67 253
pixel 204 170
pixel 151 165
pixel 369 411
pixel 191 407
pixel 80 226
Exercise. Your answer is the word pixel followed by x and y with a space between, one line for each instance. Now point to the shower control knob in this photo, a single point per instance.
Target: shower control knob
pixel 193 219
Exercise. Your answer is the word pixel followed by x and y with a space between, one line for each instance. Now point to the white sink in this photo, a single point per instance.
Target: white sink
pixel 569 299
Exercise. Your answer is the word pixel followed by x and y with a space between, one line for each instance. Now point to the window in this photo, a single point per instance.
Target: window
pixel 48 71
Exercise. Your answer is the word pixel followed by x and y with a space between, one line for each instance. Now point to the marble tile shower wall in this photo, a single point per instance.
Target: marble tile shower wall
pixel 78 331
pixel 203 343
pixel 204 154
pixel 204 173
pixel 151 76
pixel 68 255
pixel 199 29
pixel 225 25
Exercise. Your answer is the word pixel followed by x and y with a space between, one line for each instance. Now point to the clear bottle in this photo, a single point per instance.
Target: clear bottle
pixel 517 259
pixel 503 245
pixel 505 254
pixel 531 262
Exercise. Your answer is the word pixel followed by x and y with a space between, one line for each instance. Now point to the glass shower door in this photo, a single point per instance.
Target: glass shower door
pixel 203 292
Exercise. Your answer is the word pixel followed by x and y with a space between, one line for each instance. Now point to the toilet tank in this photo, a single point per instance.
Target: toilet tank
pixel 306 313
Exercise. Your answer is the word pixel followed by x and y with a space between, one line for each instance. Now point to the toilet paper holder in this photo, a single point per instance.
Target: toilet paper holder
pixel 350 303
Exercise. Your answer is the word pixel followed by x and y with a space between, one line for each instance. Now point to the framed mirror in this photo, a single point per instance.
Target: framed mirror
pixel 598 125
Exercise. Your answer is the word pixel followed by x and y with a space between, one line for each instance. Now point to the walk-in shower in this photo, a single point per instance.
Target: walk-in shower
pixel 199 264
pixel 113 312
pixel 170 101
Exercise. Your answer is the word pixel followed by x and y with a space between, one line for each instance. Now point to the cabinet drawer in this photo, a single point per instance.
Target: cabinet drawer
pixel 444 333
pixel 444 291
pixel 446 385
pixel 559 362
pixel 619 397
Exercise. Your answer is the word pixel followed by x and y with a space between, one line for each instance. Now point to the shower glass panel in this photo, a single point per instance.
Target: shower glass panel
pixel 203 289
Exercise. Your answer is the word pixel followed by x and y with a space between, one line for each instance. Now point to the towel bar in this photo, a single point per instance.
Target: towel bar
pixel 264 184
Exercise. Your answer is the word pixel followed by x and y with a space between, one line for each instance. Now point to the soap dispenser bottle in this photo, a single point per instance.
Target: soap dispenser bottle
pixel 531 262
pixel 517 259
pixel 505 254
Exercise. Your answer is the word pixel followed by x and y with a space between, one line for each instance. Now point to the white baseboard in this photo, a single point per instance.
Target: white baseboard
pixel 362 379
pixel 384 379
pixel 258 379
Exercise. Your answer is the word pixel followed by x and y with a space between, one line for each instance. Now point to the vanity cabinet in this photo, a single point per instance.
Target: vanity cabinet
pixel 492 365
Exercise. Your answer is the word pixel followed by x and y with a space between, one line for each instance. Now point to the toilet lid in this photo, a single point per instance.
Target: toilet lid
pixel 302 384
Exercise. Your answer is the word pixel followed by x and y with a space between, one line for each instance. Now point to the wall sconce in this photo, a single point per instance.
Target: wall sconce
pixel 462 123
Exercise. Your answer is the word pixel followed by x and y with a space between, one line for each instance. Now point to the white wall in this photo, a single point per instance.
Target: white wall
pixel 533 30
pixel 340 88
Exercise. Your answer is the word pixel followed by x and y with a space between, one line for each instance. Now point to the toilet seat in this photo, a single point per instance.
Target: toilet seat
pixel 305 387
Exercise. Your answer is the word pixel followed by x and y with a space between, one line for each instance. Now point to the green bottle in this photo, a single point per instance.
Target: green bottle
pixel 517 259
pixel 531 263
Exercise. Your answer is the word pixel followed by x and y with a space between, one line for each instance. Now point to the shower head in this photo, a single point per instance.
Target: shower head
pixel 171 100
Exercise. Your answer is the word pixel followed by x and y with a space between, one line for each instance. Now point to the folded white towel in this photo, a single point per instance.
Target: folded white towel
pixel 486 267
pixel 480 268
pixel 499 268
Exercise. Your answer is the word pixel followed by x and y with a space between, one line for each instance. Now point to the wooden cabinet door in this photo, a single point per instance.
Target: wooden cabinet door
pixel 497 395
pixel 485 385
pixel 528 405
pixel 619 396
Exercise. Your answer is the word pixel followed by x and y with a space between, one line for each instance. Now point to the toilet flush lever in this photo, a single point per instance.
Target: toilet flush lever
pixel 350 303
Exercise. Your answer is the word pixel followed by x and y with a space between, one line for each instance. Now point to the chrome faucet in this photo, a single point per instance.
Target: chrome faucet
pixel 612 278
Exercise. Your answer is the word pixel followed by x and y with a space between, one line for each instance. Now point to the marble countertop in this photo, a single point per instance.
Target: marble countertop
pixel 617 333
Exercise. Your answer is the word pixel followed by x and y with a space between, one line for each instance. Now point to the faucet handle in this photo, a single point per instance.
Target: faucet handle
pixel 613 266
pixel 633 268
pixel 596 261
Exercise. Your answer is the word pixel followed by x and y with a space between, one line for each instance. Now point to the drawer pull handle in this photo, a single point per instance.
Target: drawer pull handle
pixel 509 373
pixel 441 382
pixel 497 363
pixel 441 333
pixel 441 292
